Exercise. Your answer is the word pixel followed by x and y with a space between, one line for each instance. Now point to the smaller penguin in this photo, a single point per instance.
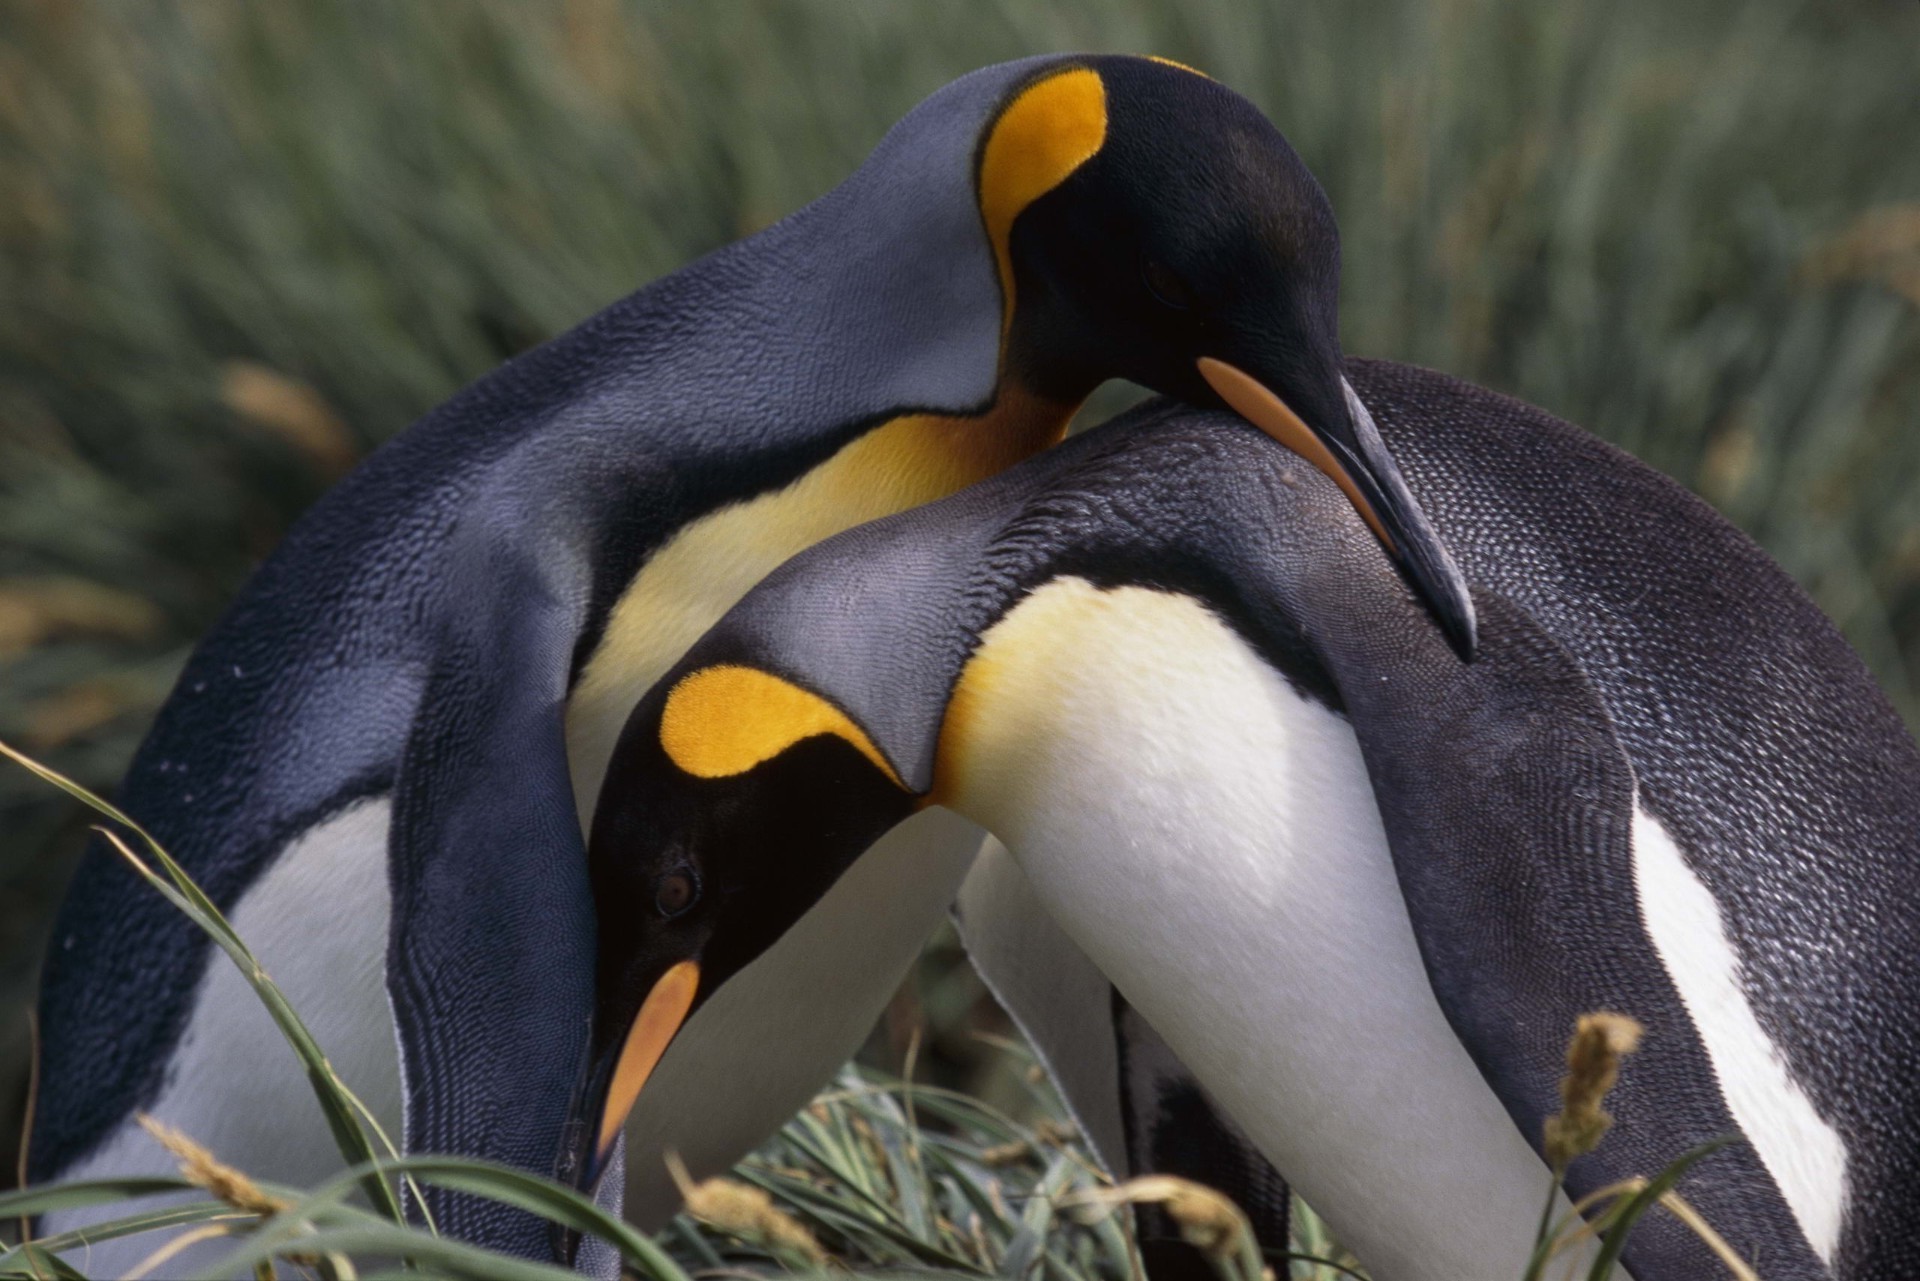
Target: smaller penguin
pixel 1361 890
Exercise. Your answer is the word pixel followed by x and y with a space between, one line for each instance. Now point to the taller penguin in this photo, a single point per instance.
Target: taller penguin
pixel 412 704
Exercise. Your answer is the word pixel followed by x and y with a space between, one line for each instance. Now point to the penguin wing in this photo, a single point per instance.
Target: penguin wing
pixel 1509 804
pixel 490 955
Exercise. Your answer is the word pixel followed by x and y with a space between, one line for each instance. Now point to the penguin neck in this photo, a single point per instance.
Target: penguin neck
pixel 708 565
pixel 1023 699
pixel 881 297
pixel 877 361
pixel 917 458
pixel 843 365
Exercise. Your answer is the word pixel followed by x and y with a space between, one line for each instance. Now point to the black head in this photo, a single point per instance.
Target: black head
pixel 1193 230
pixel 1192 252
pixel 741 800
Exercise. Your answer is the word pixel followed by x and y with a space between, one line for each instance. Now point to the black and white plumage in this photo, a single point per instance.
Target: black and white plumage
pixel 1167 667
pixel 380 760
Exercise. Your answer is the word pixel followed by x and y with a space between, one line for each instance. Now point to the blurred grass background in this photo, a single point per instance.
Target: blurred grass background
pixel 242 244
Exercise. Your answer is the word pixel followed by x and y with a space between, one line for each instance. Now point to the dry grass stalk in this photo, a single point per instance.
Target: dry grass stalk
pixel 1600 1041
pixel 74 712
pixel 291 410
pixel 206 1232
pixel 746 1212
pixel 34 611
pixel 1057 1133
pixel 202 1169
pixel 1734 1264
pixel 1881 246
pixel 1006 1153
pixel 1209 1221
pixel 1582 1229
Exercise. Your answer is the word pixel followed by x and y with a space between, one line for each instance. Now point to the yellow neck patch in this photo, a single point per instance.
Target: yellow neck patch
pixel 722 721
pixel 1045 134
pixel 1178 66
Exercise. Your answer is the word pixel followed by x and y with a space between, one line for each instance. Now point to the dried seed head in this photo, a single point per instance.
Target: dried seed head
pixel 1599 1042
pixel 200 1168
pixel 1208 1220
pixel 747 1212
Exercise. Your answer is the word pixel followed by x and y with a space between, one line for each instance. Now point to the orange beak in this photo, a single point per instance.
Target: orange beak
pixel 660 1017
pixel 1349 450
pixel 1250 398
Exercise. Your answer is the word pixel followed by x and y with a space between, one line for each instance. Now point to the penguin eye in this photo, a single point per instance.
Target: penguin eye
pixel 1167 289
pixel 675 892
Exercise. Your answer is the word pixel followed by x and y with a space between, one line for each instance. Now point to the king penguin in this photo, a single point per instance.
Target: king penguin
pixel 381 759
pixel 1361 890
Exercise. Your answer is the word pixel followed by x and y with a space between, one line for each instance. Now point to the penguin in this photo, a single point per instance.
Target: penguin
pixel 1135 1104
pixel 381 760
pixel 1362 890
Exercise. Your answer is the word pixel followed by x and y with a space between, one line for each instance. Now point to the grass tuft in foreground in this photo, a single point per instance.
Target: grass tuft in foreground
pixel 877 1174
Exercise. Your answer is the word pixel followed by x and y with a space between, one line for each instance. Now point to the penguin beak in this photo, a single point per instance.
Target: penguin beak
pixel 1353 456
pixel 618 1078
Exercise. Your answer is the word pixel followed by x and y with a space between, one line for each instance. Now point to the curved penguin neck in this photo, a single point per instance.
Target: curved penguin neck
pixel 879 298
pixel 708 565
pixel 863 336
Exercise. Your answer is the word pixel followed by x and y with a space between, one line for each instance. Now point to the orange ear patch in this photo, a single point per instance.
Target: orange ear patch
pixel 1046 133
pixel 722 721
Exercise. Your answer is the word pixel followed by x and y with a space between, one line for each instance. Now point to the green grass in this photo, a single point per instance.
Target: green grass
pixel 242 244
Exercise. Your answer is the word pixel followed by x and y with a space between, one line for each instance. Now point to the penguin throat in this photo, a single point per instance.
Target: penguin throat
pixel 919 458
pixel 715 560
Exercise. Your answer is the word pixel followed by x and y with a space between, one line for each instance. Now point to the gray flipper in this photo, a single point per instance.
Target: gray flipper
pixel 1139 1107
pixel 1504 782
pixel 490 958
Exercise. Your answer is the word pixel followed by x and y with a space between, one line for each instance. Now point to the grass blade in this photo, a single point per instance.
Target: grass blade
pixel 371 1236
pixel 1616 1238
pixel 342 1109
pixel 40 1266
pixel 85 1192
pixel 172 1216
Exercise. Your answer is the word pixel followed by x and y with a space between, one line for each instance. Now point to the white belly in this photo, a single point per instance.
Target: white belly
pixel 317 921
pixel 1210 838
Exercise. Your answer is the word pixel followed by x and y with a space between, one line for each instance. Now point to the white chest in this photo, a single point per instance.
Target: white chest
pixel 1211 840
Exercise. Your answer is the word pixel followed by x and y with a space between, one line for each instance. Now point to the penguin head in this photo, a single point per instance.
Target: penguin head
pixel 1163 231
pixel 740 798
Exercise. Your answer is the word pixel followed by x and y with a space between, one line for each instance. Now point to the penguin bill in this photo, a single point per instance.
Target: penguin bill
pixel 661 1015
pixel 1251 399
